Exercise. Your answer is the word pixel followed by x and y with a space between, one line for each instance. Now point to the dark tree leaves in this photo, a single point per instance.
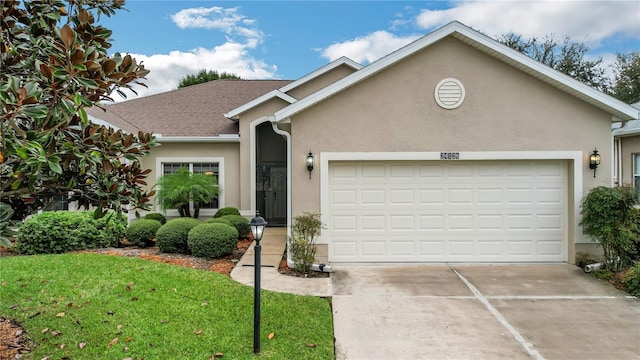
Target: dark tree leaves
pixel 54 65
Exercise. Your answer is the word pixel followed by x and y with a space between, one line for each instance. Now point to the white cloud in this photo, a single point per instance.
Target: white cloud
pixel 166 70
pixel 590 22
pixel 368 48
pixel 232 57
pixel 227 20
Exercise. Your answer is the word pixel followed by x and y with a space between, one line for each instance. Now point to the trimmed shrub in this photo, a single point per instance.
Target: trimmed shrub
pixel 55 232
pixel 172 236
pixel 156 216
pixel 240 223
pixel 226 211
pixel 631 280
pixel 212 240
pixel 143 231
pixel 302 243
pixel 608 216
pixel 218 221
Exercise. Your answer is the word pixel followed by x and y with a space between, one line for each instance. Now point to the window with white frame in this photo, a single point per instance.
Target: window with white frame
pixel 636 171
pixel 208 166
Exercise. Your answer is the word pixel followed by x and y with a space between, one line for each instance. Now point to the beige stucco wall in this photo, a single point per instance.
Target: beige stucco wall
pixel 394 111
pixel 259 114
pixel 629 145
pixel 190 152
pixel 253 117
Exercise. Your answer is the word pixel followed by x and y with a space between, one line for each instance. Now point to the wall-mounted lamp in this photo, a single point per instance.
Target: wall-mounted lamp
pixel 594 161
pixel 310 163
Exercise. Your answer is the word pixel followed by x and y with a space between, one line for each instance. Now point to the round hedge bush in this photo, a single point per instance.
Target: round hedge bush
pixel 156 216
pixel 143 231
pixel 240 223
pixel 212 240
pixel 218 221
pixel 226 211
pixel 172 236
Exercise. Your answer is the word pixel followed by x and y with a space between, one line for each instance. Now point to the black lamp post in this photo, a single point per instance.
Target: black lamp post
pixel 257 229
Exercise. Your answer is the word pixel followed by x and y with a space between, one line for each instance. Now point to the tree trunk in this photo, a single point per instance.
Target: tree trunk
pixel 196 211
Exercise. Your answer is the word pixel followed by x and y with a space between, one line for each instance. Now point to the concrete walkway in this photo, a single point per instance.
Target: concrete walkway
pixel 273 246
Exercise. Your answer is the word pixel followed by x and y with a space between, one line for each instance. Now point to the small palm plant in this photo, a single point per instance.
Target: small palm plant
pixel 179 189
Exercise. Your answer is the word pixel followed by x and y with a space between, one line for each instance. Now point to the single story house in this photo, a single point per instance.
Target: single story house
pixel 454 148
pixel 626 147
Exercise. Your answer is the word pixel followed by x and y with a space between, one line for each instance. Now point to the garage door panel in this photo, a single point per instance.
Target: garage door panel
pixel 448 211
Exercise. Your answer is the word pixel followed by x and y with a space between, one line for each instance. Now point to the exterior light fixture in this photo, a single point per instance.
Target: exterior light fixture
pixel 594 161
pixel 257 230
pixel 310 163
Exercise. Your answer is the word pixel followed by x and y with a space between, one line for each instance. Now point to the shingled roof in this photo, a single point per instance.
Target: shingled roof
pixel 196 110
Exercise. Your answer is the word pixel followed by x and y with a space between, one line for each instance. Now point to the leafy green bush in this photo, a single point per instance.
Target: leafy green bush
pixel 218 221
pixel 172 236
pixel 112 226
pixel 156 216
pixel 55 232
pixel 302 243
pixel 226 211
pixel 7 225
pixel 631 280
pixel 212 240
pixel 240 223
pixel 608 217
pixel 143 231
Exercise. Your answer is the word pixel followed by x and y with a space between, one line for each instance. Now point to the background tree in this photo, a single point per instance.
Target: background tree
pixel 178 190
pixel 568 57
pixel 54 64
pixel 627 77
pixel 205 76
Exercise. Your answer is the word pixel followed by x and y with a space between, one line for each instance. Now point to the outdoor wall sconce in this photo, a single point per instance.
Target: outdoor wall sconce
pixel 310 163
pixel 594 161
pixel 257 230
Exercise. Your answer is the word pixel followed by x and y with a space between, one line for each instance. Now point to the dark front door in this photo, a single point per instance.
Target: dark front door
pixel 272 193
pixel 271 175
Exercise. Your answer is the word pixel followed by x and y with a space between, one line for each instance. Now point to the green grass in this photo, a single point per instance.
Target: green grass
pixel 155 311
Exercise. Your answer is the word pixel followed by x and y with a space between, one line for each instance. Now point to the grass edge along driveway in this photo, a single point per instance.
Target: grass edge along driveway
pixel 88 306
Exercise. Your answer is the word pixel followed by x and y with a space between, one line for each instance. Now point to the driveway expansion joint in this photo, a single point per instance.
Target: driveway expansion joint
pixel 527 345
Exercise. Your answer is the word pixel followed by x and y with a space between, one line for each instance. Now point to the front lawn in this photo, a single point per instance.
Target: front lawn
pixel 92 306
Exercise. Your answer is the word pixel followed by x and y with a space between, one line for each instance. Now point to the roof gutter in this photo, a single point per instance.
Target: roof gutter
pixel 224 138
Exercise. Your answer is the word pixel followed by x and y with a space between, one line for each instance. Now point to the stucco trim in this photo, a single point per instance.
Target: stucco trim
pixel 252 157
pixel 219 160
pixel 235 113
pixel 323 70
pixel 223 138
pixel 618 109
pixel 281 93
pixel 576 183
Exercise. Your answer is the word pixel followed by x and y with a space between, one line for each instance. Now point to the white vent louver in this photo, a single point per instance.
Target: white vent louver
pixel 449 93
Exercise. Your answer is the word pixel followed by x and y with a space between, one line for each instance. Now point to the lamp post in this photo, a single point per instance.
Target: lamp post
pixel 257 229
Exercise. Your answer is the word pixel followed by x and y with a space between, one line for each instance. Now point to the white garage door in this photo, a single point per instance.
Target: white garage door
pixel 447 211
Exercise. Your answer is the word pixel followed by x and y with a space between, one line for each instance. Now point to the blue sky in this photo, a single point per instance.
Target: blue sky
pixel 288 39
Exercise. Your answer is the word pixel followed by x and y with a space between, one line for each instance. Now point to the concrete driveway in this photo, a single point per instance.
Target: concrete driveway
pixel 481 312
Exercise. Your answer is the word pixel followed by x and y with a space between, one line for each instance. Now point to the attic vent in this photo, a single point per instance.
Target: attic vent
pixel 449 93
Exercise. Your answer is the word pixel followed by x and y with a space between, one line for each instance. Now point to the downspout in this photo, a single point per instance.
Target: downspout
pixel 287 136
pixel 290 263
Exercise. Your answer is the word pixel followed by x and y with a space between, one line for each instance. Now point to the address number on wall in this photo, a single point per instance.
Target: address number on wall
pixel 449 156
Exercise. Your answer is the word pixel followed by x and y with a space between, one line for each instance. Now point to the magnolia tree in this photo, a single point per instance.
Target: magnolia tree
pixel 54 65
